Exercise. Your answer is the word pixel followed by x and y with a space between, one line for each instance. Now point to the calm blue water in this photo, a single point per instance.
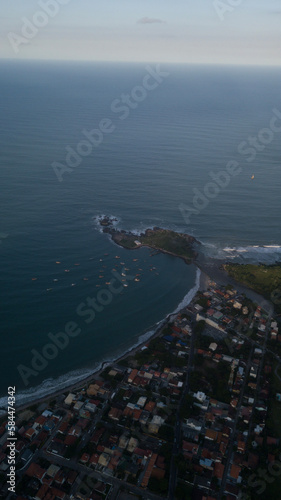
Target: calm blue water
pixel 191 124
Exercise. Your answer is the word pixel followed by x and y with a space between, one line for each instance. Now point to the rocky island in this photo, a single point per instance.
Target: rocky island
pixel 162 240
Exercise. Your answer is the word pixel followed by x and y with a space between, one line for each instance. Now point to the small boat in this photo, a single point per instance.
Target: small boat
pixel 77 264
pixel 122 263
pixel 48 289
pixel 66 270
pixel 135 260
pixel 56 279
pixel 117 257
pixel 100 260
pixel 252 177
pixel 58 262
pixel 127 269
pixel 125 285
pixel 137 279
pixel 34 279
pixel 101 276
pixel 73 284
pixel 85 279
pixel 123 274
pixel 107 283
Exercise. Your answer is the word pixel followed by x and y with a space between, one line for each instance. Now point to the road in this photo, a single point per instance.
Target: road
pixel 91 474
pixel 233 435
pixel 177 432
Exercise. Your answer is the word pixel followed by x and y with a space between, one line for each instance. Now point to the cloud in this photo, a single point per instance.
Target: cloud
pixel 149 20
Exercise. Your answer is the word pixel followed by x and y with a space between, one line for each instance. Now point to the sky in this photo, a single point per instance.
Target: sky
pixel 244 32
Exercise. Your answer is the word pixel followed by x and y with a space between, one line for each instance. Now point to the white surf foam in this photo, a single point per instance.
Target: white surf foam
pixel 265 254
pixel 50 386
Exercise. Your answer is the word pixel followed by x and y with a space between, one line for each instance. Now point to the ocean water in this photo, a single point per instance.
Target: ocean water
pixel 190 125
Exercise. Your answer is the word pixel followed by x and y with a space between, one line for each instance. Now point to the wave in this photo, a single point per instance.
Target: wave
pixel 98 218
pixel 50 386
pixel 250 254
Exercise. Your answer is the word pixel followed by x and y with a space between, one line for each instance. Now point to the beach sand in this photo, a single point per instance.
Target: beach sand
pixel 129 353
pixel 210 270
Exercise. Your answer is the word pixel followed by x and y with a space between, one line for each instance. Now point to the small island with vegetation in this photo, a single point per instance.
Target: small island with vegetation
pixel 162 240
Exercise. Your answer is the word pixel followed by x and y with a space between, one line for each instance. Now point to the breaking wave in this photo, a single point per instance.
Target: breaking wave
pixel 251 254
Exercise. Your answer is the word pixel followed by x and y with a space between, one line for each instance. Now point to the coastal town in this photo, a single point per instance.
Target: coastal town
pixel 192 414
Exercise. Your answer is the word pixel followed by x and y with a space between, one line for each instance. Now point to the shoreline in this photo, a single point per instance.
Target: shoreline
pixel 202 286
pixel 210 269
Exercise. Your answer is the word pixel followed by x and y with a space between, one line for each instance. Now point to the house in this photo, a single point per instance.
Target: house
pixel 114 413
pixel 155 424
pixel 141 401
pixel 90 406
pixel 234 474
pixel 132 376
pixel 34 470
pixel 194 424
pixel 150 406
pixel 39 422
pixel 189 449
pixel 219 471
pixel 148 470
pixel 94 459
pixel 211 435
pixel 85 458
pixel 70 399
pixel 254 371
pixel 123 441
pixel 30 433
pixel 52 470
pixel 133 443
pixel 104 459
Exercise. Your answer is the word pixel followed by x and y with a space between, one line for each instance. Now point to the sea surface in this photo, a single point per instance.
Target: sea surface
pixel 167 145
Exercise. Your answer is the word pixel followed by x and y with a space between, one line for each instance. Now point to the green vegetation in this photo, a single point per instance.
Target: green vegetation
pixel 212 379
pixel 163 240
pixel 157 485
pixel 263 279
pixel 183 491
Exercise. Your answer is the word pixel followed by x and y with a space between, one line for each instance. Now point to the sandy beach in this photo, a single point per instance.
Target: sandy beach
pixel 210 269
pixel 130 352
